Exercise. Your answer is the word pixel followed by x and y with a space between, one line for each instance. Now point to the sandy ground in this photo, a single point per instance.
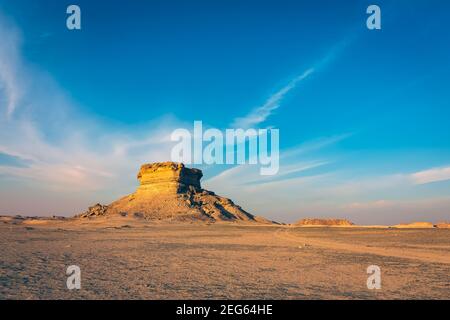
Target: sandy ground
pixel 132 259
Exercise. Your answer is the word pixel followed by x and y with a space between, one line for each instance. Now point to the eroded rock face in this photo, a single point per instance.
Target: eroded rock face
pixel 170 191
pixel 324 222
pixel 168 177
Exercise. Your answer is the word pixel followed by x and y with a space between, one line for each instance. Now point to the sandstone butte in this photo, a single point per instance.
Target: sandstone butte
pixel 171 191
pixel 323 222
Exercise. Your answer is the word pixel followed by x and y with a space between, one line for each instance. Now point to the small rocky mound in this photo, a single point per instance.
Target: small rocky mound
pixel 170 191
pixel 94 211
pixel 415 225
pixel 443 225
pixel 324 222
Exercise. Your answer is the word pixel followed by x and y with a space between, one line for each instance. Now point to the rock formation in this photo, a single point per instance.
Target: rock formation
pixel 324 222
pixel 415 225
pixel 170 191
pixel 95 211
pixel 443 225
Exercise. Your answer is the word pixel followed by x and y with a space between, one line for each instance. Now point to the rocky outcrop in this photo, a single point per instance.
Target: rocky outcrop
pixel 324 222
pixel 171 191
pixel 415 225
pixel 443 225
pixel 94 211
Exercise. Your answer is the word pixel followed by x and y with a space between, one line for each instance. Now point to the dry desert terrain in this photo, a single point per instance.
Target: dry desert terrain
pixel 129 258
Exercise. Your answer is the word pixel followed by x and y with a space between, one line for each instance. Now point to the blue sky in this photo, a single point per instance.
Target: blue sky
pixel 364 136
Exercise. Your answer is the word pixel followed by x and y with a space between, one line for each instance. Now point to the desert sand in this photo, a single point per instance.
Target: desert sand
pixel 132 258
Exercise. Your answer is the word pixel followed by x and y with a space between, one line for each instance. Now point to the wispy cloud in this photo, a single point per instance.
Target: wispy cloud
pixel 314 145
pixel 261 113
pixel 431 175
pixel 313 189
pixel 10 92
pixel 248 175
pixel 47 145
pixel 295 174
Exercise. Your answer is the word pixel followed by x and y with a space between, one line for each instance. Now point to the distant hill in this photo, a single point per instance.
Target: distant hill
pixel 415 225
pixel 324 222
pixel 443 225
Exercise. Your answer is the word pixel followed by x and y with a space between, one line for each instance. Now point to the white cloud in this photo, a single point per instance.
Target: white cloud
pixel 431 175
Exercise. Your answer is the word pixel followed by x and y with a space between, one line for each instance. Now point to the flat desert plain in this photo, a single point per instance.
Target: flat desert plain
pixel 133 259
